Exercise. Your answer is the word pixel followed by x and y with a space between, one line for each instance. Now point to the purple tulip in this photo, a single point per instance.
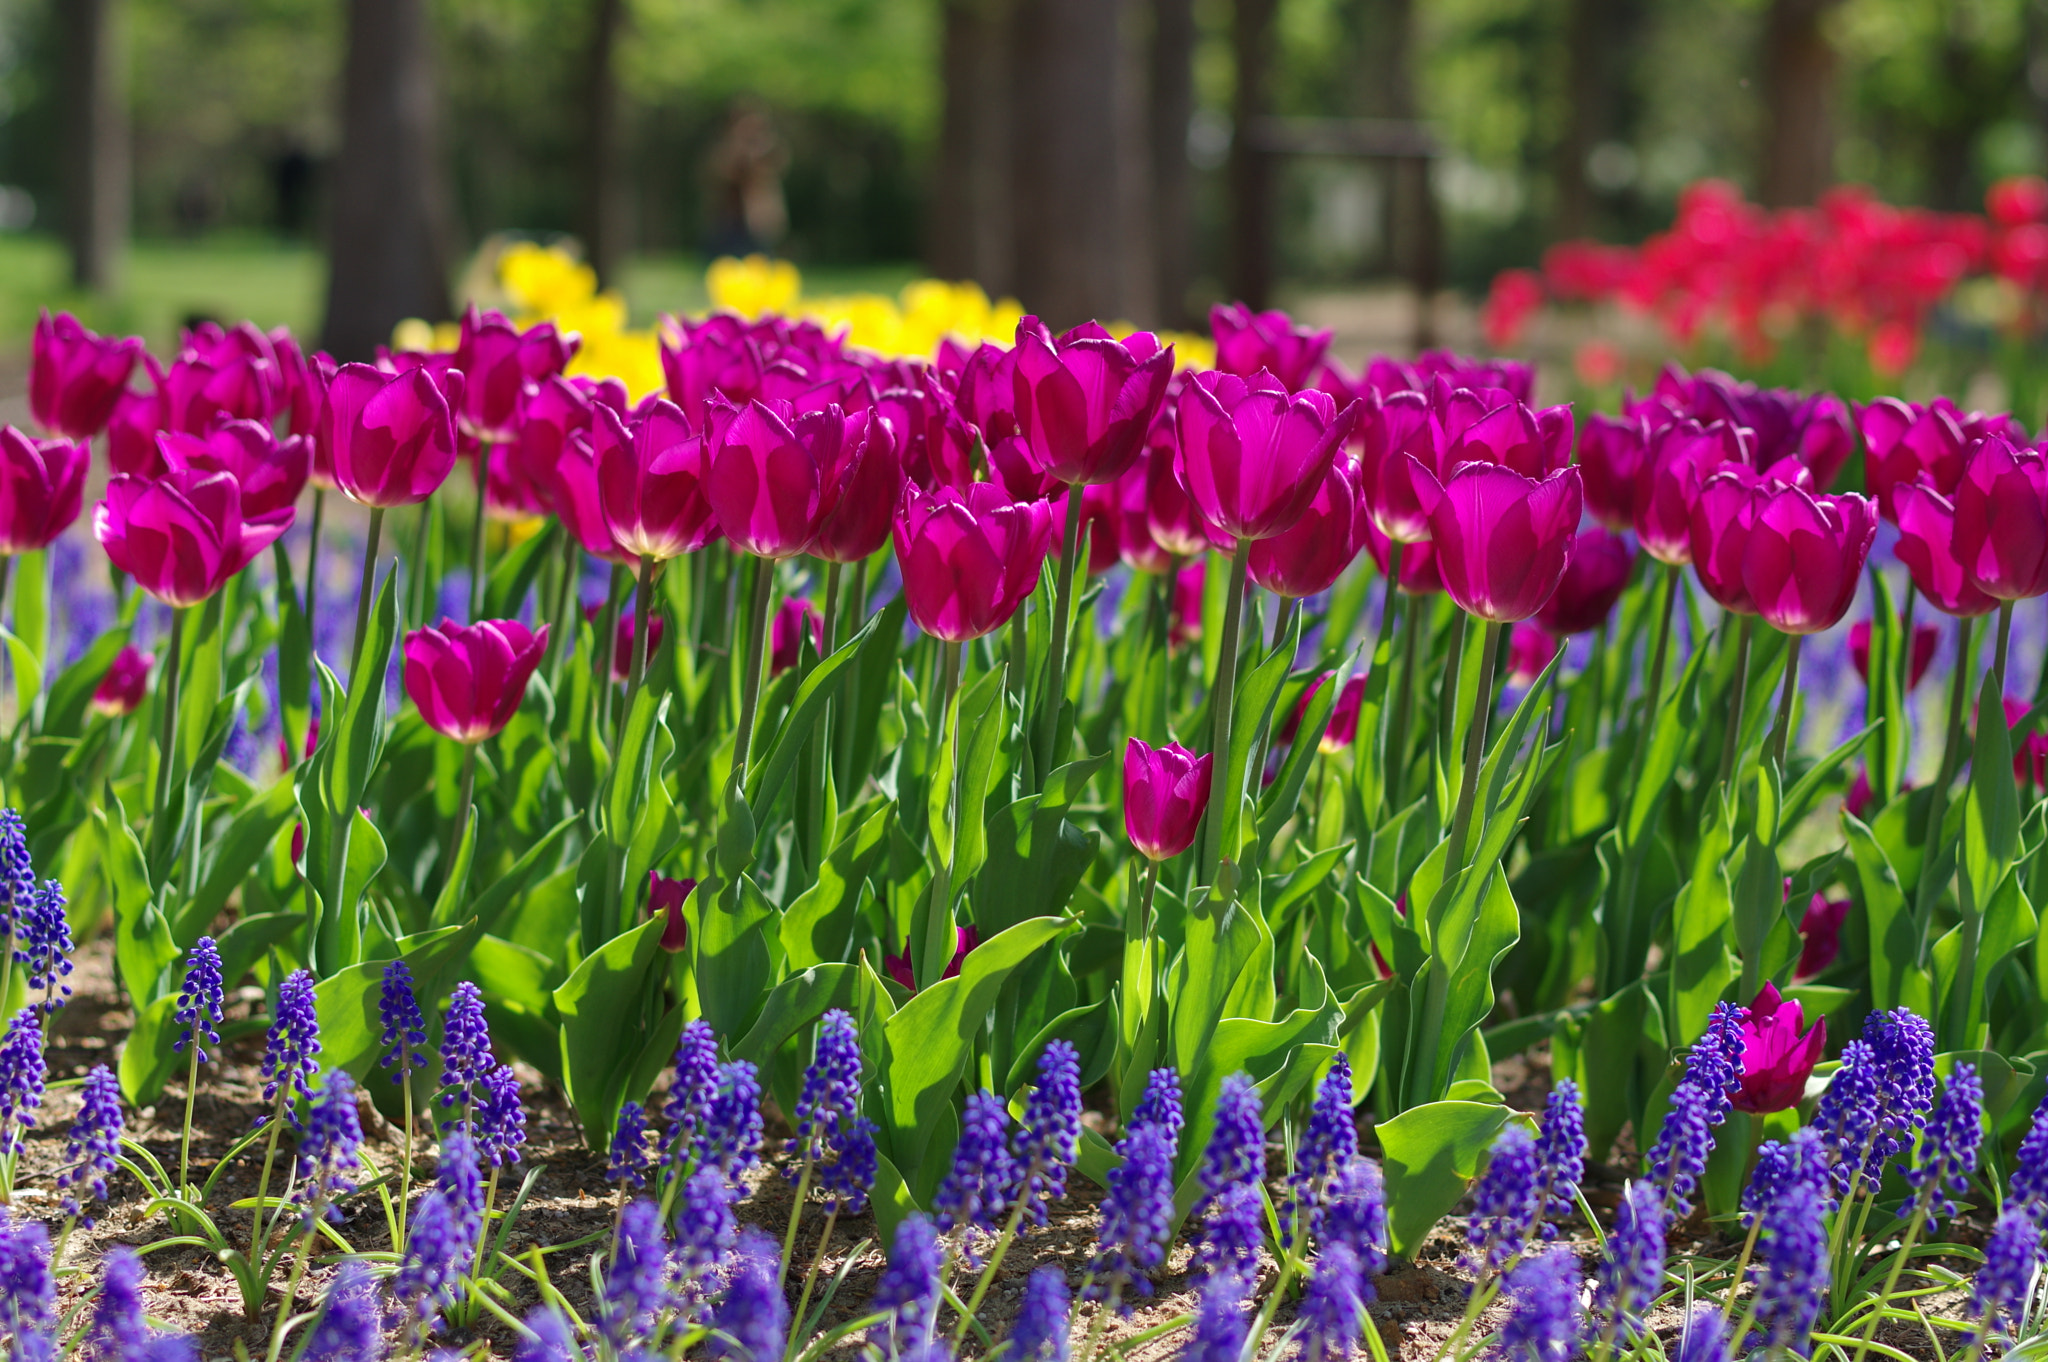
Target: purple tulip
pixel 271 472
pixel 650 481
pixel 1313 553
pixel 1679 460
pixel 468 679
pixel 969 558
pixel 1490 426
pixel 1166 791
pixel 42 488
pixel 183 535
pixel 868 473
pixel 222 373
pixel 1927 546
pixel 1252 457
pixel 1777 1058
pixel 1804 555
pixel 1593 581
pixel 577 502
pixel 1401 464
pixel 500 361
pixel 2001 522
pixel 935 442
pixel 389 437
pixel 126 682
pixel 1503 540
pixel 76 377
pixel 132 428
pixel 1085 399
pixel 1906 443
pixel 1611 453
pixel 665 900
pixel 1248 341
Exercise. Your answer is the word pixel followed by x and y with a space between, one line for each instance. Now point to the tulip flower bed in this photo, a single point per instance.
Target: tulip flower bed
pixel 1041 851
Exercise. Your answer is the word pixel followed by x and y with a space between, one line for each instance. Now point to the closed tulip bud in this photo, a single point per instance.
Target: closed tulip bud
pixel 1530 650
pixel 1166 791
pixel 1189 585
pixel 1776 1058
pixel 1503 540
pixel 1927 546
pixel 2001 534
pixel 1925 639
pixel 622 638
pixel 1248 341
pixel 1401 462
pixel 1313 553
pixel 182 536
pixel 1680 459
pixel 270 472
pixel 1611 453
pixel 1804 556
pixel 1084 400
pixel 121 690
pixel 1906 443
pixel 665 900
pixel 468 679
pixel 651 482
pixel 42 488
pixel 868 473
pixel 76 377
pixel 498 362
pixel 794 618
pixel 390 437
pixel 1593 581
pixel 1342 730
pixel 1820 929
pixel 1252 457
pixel 898 967
pixel 969 558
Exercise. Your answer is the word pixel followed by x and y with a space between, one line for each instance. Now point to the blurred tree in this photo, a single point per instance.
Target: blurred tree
pixel 1799 68
pixel 605 211
pixel 1170 80
pixel 971 234
pixel 97 167
pixel 1251 167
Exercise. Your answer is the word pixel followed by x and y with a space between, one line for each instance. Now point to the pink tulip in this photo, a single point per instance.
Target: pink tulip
pixel 1820 930
pixel 499 361
pixel 1927 546
pixel 76 377
pixel 42 488
pixel 651 482
pixel 969 558
pixel 1401 464
pixel 1172 517
pixel 1252 457
pixel 1798 556
pixel 1503 540
pixel 768 471
pixel 794 618
pixel 390 438
pixel 122 689
pixel 1010 467
pixel 1084 400
pixel 2001 521
pixel 1593 581
pixel 1166 791
pixel 898 967
pixel 1310 555
pixel 270 472
pixel 468 679
pixel 1677 464
pixel 182 536
pixel 304 378
pixel 622 638
pixel 1906 443
pixel 1925 639
pixel 1776 1058
pixel 1723 514
pixel 665 899
pixel 1611 454
pixel 1248 341
pixel 1530 650
pixel 985 394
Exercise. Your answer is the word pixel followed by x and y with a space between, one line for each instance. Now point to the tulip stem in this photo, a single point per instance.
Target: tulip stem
pixel 1653 697
pixel 828 628
pixel 1055 658
pixel 636 671
pixel 1937 799
pixel 364 590
pixel 1781 735
pixel 166 760
pixel 1475 751
pixel 750 680
pixel 464 807
pixel 1447 692
pixel 2004 640
pixel 1221 698
pixel 313 555
pixel 1731 742
pixel 1396 755
pixel 603 653
pixel 476 544
pixel 565 603
pixel 416 583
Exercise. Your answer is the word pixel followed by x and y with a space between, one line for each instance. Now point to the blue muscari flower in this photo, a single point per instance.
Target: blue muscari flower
pixel 500 1119
pixel 908 1290
pixel 118 1332
pixel 28 1286
pixel 94 1144
pixel 350 1327
pixel 1137 1213
pixel 2029 1185
pixel 17 879
pixel 328 1157
pixel 831 1134
pixel 629 1157
pixel 459 1178
pixel 202 999
pixel 1220 1323
pixel 291 1048
pixel 550 1338
pixel 1714 1064
pixel 975 1189
pixel 22 1072
pixel 1237 1148
pixel 465 1049
pixel 2012 1255
pixel 1678 1159
pixel 1233 1232
pixel 437 1250
pixel 704 1221
pixel 1561 1150
pixel 1801 1158
pixel 1632 1268
pixel 405 1026
pixel 1878 1097
pixel 1506 1203
pixel 1792 1251
pixel 1041 1332
pixel 732 1135
pixel 1706 1336
pixel 1354 1214
pixel 1948 1146
pixel 1330 1142
pixel 1160 1105
pixel 1850 1117
pixel 1543 1309
pixel 752 1323
pixel 1332 1311
pixel 1903 1044
pixel 45 947
pixel 690 1093
pixel 637 1280
pixel 1050 1134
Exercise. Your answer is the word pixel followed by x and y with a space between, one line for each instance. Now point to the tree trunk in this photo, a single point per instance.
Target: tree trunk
pixel 1070 228
pixel 1251 168
pixel 387 247
pixel 96 161
pixel 1799 97
pixel 970 234
pixel 1172 91
pixel 605 212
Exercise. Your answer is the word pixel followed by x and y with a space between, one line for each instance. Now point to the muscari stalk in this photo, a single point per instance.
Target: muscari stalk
pixel 1221 700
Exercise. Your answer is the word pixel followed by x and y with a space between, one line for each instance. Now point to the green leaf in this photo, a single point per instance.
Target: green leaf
pixel 1991 824
pixel 779 757
pixel 984 721
pixel 1280 799
pixel 235 853
pixel 1036 858
pixel 794 1004
pixel 1431 1154
pixel 448 903
pixel 515 974
pixel 511 577
pixel 143 947
pixel 68 703
pixel 818 926
pixel 1254 710
pixel 28 671
pixel 1700 919
pixel 250 939
pixel 494 900
pixel 350 1028
pixel 146 1056
pixel 603 1006
pixel 727 919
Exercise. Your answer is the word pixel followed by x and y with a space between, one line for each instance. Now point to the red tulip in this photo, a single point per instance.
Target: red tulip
pixel 1166 791
pixel 2001 521
pixel 651 481
pixel 794 618
pixel 1593 581
pixel 390 438
pixel 965 939
pixel 1503 540
pixel 1776 1058
pixel 1820 930
pixel 1925 639
pixel 182 536
pixel 121 690
pixel 1310 555
pixel 468 679
pixel 969 558
pixel 1611 454
pixel 1927 546
pixel 42 488
pixel 1248 341
pixel 76 377
pixel 1085 400
pixel 1530 650
pixel 1252 457
pixel 500 361
pixel 270 472
pixel 665 898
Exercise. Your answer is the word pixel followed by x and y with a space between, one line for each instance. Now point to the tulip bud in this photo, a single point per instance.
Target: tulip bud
pixel 42 488
pixel 1252 457
pixel 651 482
pixel 121 690
pixel 498 362
pixel 1166 791
pixel 1530 650
pixel 1925 639
pixel 1776 1058
pixel 969 559
pixel 665 899
pixel 76 377
pixel 794 618
pixel 1311 554
pixel 1085 400
pixel 390 437
pixel 468 679
pixel 1593 581
pixel 622 638
pixel 182 536
pixel 1820 929
pixel 898 967
pixel 1502 540
pixel 2001 520
pixel 1189 586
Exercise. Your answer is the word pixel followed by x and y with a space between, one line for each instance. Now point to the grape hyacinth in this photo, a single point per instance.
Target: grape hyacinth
pixel 973 1193
pixel 1137 1213
pixel 1714 1064
pixel 1543 1309
pixel 17 876
pixel 690 1093
pixel 1050 1134
pixel 636 1281
pixel 1236 1152
pixel 328 1157
pixel 437 1249
pixel 2029 1184
pixel 201 1000
pixel 1878 1097
pixel 118 1332
pixel 1850 1119
pixel 45 946
pixel 1220 1323
pixel 629 1159
pixel 834 1143
pixel 732 1138
pixel 752 1323
pixel 908 1290
pixel 2012 1255
pixel 1506 1203
pixel 1329 1143
pixel 28 1284
pixel 403 1043
pixel 1948 1146
pixel 1678 1159
pixel 1233 1232
pixel 291 1048
pixel 466 1057
pixel 1633 1266
pixel 1561 1150
pixel 22 1072
pixel 1333 1308
pixel 94 1143
pixel 1160 1104
pixel 1792 1249
pixel 350 1327
pixel 1354 1214
pixel 1706 1336
pixel 1041 1331
pixel 550 1338
pixel 705 1225
pixel 1802 1158
pixel 500 1119
pixel 459 1178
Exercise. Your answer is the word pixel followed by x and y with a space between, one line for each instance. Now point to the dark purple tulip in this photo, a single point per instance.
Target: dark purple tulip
pixel 1248 341
pixel 1310 555
pixel 1593 581
pixel 390 437
pixel 75 377
pixel 1253 457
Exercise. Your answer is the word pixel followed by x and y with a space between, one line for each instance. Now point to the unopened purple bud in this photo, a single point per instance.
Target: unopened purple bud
pixel 328 1158
pixel 466 1058
pixel 1561 1150
pixel 1137 1213
pixel 22 1071
pixel 405 1026
pixel 1050 1135
pixel 1633 1266
pixel 636 1282
pixel 202 999
pixel 1237 1148
pixel 752 1323
pixel 350 1328
pixel 500 1119
pixel 1948 1146
pixel 1330 1142
pixel 2012 1256
pixel 1220 1323
pixel 1792 1249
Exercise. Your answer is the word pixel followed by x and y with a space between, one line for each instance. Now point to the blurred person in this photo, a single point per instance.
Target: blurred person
pixel 747 165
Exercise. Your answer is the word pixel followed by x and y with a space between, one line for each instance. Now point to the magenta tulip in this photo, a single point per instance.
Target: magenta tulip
pixel 1419 575
pixel 1490 426
pixel 42 488
pixel 1248 341
pixel 468 679
pixel 390 438
pixel 1401 464
pixel 868 473
pixel 1530 649
pixel 1593 581
pixel 1503 540
pixel 794 618
pixel 499 361
pixel 1131 498
pixel 579 506
pixel 182 536
pixel 1251 456
pixel 132 431
pixel 665 900
pixel 1311 554
pixel 1342 730
pixel 1723 514
pixel 76 377
pixel 969 558
pixel 985 394
pixel 218 373
pixel 1084 400
pixel 935 442
pixel 271 472
pixel 1100 524
pixel 522 476
pixel 1190 584
pixel 622 638
pixel 1611 453
pixel 1777 1058
pixel 1927 546
pixel 2001 521
pixel 779 478
pixel 1171 516
pixel 1925 639
pixel 1805 554
pixel 1678 462
pixel 122 689
pixel 651 482
pixel 1166 790
pixel 1820 930
pixel 898 967
pixel 1906 443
